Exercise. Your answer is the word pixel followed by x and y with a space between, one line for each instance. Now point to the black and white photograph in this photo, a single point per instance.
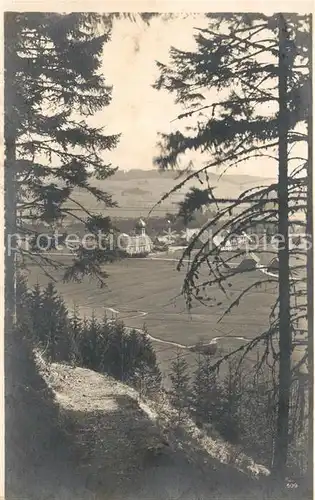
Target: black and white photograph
pixel 158 252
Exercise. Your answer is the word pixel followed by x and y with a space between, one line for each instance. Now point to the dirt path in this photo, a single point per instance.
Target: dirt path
pixel 123 448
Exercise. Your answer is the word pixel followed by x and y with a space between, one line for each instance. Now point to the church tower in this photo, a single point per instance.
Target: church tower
pixel 140 227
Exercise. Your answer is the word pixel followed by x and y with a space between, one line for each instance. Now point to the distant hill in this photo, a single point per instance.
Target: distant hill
pixel 139 174
pixel 137 191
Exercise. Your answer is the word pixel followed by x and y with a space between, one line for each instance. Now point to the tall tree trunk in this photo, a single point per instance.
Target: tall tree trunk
pixel 285 341
pixel 10 344
pixel 10 194
pixel 310 271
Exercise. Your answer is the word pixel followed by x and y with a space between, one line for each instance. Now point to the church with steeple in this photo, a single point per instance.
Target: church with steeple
pixel 139 244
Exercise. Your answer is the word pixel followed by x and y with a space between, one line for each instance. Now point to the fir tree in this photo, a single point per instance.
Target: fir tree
pixel 91 348
pixel 146 379
pixel 36 311
pixel 46 321
pixel 52 86
pixel 146 353
pixel 117 359
pixel 75 319
pixel 204 391
pixel 104 333
pixel 24 315
pixel 55 325
pixel 262 107
pixel 131 352
pixel 229 423
pixel 145 374
pixel 76 327
pixel 180 385
pixel 83 347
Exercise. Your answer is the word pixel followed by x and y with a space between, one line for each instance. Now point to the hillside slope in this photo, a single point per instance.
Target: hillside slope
pixel 123 447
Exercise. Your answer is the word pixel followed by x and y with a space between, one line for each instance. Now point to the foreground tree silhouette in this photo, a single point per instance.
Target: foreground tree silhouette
pixel 262 107
pixel 52 86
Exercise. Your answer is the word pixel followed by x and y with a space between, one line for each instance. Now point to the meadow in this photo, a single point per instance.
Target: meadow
pixel 148 291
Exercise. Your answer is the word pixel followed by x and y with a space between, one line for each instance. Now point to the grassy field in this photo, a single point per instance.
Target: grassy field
pixel 149 291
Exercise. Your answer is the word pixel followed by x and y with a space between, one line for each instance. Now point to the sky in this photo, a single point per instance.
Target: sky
pixel 137 111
